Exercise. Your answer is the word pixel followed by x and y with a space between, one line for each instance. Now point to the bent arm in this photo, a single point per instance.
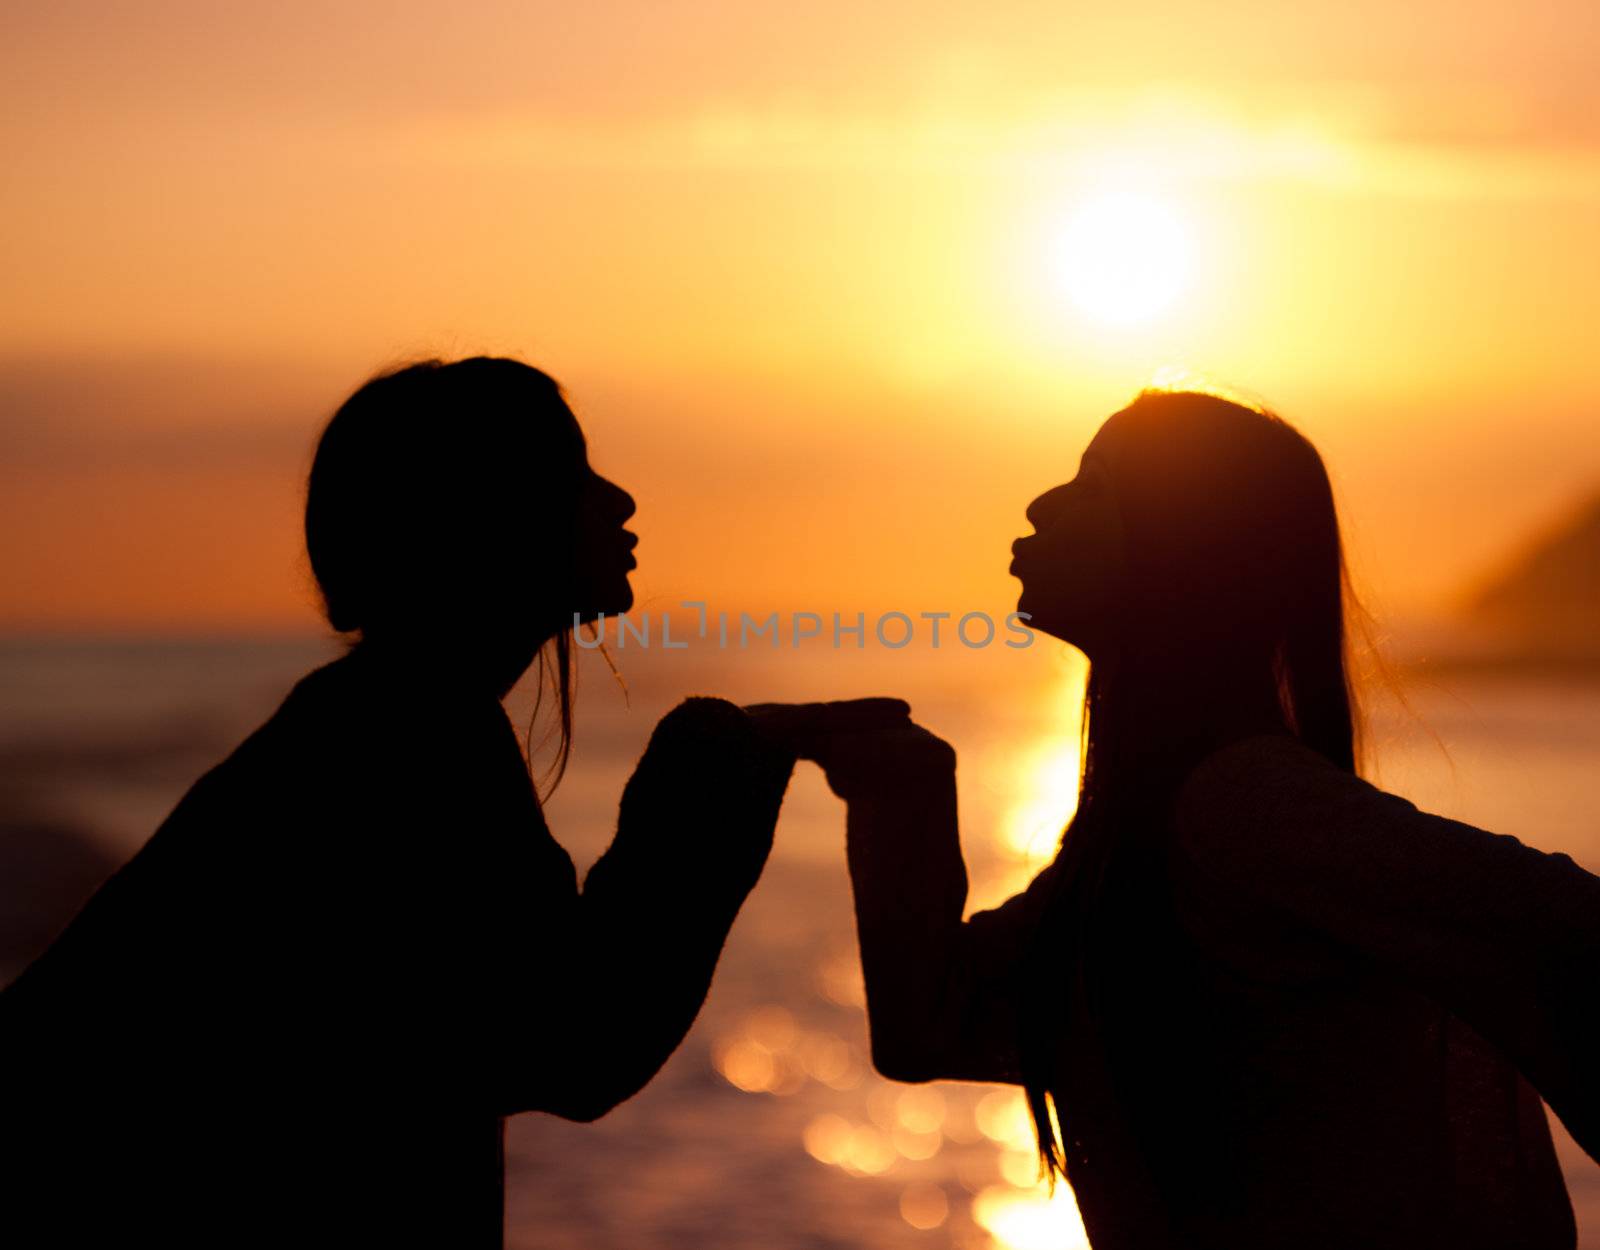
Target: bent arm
pixel 693 833
pixel 941 992
pixel 1505 936
pixel 550 999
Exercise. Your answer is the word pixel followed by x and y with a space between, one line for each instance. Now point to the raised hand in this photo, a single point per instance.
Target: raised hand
pixel 862 744
pixel 803 728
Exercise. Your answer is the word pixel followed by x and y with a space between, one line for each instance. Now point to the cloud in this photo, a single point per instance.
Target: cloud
pixel 80 413
pixel 1425 143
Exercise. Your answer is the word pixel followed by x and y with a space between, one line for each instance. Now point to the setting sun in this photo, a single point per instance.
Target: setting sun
pixel 1123 257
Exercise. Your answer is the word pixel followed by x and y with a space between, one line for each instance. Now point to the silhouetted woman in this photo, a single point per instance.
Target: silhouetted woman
pixel 1272 1006
pixel 299 1015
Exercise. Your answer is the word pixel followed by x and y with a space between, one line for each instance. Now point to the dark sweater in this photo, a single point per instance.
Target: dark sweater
pixel 1339 998
pixel 300 1013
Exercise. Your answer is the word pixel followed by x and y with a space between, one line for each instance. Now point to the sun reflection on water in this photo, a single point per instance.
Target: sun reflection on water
pixel 770 1054
pixel 1042 777
pixel 1002 1117
pixel 1033 825
pixel 839 979
pixel 924 1206
pixel 1033 1220
pixel 962 1156
pixel 1046 776
pixel 920 1109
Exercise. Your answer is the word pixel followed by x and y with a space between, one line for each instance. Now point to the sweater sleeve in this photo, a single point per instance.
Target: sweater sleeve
pixel 1505 936
pixel 942 993
pixel 569 1001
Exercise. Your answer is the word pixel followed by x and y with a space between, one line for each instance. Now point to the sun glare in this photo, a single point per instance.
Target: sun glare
pixel 1123 257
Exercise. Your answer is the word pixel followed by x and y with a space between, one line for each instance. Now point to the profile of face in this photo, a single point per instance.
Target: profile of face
pixel 602 548
pixel 451 508
pixel 1071 566
pixel 549 552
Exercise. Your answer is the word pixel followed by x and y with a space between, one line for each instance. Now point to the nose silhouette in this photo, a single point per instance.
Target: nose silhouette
pixel 1042 509
pixel 619 503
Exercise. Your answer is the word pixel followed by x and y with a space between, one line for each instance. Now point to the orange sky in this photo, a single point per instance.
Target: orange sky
pixel 794 265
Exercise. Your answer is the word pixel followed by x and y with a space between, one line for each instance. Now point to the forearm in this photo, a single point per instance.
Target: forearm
pixel 941 999
pixel 910 887
pixel 652 938
pixel 694 831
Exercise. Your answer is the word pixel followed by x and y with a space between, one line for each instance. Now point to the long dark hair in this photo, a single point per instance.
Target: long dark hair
pixel 428 486
pixel 1236 587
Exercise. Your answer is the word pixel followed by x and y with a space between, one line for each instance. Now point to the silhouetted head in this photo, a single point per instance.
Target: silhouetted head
pixel 1199 536
pixel 1196 559
pixel 452 512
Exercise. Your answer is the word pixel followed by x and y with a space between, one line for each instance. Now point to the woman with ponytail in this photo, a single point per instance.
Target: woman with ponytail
pixel 1255 1002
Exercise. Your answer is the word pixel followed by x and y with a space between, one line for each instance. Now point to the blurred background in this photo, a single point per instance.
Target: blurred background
pixel 835 291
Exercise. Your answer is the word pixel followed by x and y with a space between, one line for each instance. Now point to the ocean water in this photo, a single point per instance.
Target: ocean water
pixel 768 1128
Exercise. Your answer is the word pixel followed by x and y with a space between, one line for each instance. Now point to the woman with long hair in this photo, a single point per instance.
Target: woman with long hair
pixel 1254 1001
pixel 302 1011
